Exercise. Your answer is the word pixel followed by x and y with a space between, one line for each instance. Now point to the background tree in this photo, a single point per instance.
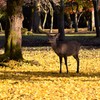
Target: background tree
pixel 46 8
pixel 41 8
pixel 61 20
pixel 59 9
pixel 96 13
pixel 2 12
pixel 76 7
pixel 37 16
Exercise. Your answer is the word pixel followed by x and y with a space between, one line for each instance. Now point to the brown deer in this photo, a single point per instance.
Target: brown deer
pixel 64 49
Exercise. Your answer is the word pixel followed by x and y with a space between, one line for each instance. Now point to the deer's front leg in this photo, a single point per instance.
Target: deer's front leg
pixel 60 58
pixel 65 58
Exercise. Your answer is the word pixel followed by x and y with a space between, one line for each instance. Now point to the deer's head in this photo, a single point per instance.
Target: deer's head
pixel 53 38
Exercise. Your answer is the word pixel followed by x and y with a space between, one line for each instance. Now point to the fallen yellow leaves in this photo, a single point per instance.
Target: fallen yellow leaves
pixel 38 78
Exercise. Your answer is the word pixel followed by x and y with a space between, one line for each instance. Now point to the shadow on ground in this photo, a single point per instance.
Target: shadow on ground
pixel 47 76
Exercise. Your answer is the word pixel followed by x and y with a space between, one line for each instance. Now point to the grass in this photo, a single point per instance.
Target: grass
pixel 38 78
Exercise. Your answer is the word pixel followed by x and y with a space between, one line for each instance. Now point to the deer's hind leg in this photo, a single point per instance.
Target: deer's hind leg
pixel 60 58
pixel 65 58
pixel 77 59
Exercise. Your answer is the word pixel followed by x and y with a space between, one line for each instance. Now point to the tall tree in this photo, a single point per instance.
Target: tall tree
pixel 96 13
pixel 41 7
pixel 61 20
pixel 47 8
pixel 37 16
pixel 13 30
pixel 59 9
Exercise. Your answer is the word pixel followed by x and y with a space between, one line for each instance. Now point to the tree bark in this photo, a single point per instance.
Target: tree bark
pixel 13 35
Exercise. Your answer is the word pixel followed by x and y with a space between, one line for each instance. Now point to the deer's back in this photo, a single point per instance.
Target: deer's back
pixel 63 48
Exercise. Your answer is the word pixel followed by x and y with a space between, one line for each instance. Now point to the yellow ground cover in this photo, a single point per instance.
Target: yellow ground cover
pixel 38 78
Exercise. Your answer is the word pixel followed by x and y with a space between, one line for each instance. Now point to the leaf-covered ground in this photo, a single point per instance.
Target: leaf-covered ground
pixel 38 78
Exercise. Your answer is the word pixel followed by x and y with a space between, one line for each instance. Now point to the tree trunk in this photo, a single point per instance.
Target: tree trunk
pixel 76 23
pixel 69 20
pixel 93 21
pixel 96 12
pixel 13 30
pixel 61 21
pixel 37 17
pixel 1 28
pixel 60 17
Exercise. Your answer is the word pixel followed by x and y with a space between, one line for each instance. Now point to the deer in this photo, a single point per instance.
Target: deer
pixel 64 49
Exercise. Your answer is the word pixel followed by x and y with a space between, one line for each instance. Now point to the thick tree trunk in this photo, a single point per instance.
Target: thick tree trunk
pixel 13 37
pixel 13 30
